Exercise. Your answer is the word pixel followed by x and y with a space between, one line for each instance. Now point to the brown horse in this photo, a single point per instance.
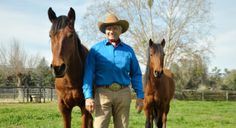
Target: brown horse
pixel 159 87
pixel 68 65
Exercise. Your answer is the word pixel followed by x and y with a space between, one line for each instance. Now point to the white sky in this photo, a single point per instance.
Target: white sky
pixel 224 20
pixel 27 21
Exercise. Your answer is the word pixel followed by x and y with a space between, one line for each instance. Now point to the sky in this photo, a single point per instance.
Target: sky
pixel 224 21
pixel 27 22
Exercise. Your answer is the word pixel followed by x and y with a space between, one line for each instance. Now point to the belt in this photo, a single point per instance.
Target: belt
pixel 113 87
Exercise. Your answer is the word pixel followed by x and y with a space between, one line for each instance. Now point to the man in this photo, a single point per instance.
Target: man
pixel 112 66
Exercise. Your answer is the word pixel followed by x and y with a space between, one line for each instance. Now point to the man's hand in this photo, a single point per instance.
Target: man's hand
pixel 89 105
pixel 139 105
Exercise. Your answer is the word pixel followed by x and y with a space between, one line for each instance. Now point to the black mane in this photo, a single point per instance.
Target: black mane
pixel 60 23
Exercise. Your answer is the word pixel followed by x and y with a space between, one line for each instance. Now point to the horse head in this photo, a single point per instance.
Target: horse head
pixel 156 58
pixel 63 46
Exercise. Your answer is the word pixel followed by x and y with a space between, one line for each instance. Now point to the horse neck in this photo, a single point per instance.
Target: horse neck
pixel 76 64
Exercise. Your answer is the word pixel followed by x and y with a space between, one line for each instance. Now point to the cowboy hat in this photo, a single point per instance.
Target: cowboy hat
pixel 113 20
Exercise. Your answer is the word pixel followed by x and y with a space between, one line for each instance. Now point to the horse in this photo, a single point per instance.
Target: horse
pixel 68 61
pixel 159 87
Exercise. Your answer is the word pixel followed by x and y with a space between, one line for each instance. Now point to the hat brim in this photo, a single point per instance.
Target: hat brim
pixel 123 23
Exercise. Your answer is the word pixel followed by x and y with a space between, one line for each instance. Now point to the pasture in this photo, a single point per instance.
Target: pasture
pixel 183 114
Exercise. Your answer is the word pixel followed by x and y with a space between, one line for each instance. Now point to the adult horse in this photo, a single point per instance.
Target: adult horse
pixel 68 65
pixel 158 87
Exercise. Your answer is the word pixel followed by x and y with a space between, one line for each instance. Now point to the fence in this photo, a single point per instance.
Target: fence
pixel 206 95
pixel 45 94
pixel 27 94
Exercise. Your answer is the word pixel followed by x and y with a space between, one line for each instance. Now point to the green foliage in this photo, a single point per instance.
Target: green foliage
pixel 42 74
pixel 1 78
pixel 230 80
pixel 215 79
pixel 189 73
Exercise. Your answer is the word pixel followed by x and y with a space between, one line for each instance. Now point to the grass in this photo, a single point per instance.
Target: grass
pixel 183 114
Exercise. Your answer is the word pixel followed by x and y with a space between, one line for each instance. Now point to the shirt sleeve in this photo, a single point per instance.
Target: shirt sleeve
pixel 88 74
pixel 136 77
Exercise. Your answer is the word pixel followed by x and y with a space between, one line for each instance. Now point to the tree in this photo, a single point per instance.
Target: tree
pixel 42 74
pixel 190 73
pixel 183 23
pixel 1 78
pixel 13 61
pixel 230 80
pixel 198 72
pixel 215 79
pixel 12 58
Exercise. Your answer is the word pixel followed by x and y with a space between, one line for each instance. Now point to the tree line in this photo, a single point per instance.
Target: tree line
pixel 185 25
pixel 17 68
pixel 190 74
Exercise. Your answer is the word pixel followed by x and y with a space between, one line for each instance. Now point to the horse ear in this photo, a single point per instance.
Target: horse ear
pixel 51 15
pixel 163 42
pixel 150 42
pixel 71 14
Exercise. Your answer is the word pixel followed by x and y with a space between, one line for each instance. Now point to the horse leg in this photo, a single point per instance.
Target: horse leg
pixel 164 115
pixel 66 114
pixel 164 118
pixel 156 115
pixel 159 124
pixel 87 118
pixel 149 118
pixel 149 109
pixel 159 119
pixel 149 121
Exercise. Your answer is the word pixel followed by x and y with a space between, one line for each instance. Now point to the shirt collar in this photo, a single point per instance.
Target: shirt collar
pixel 108 43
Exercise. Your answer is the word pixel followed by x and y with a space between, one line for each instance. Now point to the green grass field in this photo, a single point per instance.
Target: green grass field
pixel 183 114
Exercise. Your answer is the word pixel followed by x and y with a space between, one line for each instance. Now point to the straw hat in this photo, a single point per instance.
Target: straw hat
pixel 113 20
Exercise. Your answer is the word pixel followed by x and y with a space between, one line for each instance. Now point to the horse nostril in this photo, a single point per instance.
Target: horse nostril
pixel 155 73
pixel 63 67
pixel 158 73
pixel 59 71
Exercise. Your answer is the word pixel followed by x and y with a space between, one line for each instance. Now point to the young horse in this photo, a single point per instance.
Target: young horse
pixel 158 87
pixel 68 65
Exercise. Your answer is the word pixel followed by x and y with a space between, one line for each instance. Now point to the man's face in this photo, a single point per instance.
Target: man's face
pixel 113 32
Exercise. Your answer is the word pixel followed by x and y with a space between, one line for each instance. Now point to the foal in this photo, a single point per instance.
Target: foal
pixel 158 87
pixel 68 65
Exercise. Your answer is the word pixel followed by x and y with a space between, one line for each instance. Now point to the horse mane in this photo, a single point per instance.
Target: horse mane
pixel 60 23
pixel 147 72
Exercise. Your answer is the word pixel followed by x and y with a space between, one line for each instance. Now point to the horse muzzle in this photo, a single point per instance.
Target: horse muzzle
pixel 59 71
pixel 158 74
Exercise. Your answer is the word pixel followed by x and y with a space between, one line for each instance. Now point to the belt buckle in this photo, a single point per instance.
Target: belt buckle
pixel 115 87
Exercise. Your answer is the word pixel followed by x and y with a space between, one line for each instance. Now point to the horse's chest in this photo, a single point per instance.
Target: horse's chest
pixel 157 90
pixel 67 91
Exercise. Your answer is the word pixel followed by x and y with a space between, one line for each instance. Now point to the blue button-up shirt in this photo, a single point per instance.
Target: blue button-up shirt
pixel 107 64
